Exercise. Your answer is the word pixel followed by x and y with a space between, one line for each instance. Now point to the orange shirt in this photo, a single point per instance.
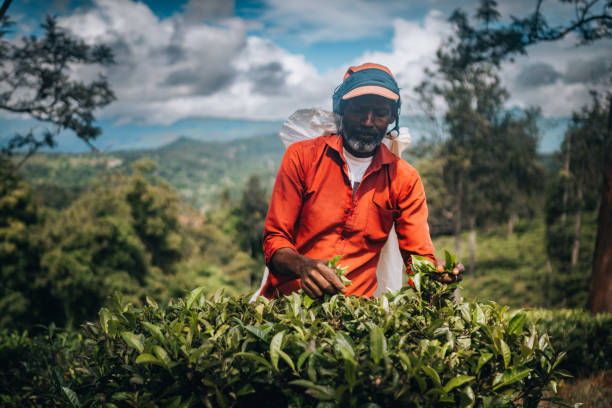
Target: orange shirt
pixel 314 211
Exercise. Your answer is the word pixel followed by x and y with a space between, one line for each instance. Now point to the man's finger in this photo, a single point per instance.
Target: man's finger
pixel 311 289
pixel 331 277
pixel 320 278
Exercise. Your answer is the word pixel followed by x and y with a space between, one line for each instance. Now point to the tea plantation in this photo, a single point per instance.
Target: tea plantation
pixel 416 348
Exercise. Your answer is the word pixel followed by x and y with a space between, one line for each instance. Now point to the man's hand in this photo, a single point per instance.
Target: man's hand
pixel 445 277
pixel 316 277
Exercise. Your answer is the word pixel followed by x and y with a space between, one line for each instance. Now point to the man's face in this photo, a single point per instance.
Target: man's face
pixel 364 123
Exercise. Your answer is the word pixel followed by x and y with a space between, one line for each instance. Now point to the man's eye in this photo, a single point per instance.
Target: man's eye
pixel 382 113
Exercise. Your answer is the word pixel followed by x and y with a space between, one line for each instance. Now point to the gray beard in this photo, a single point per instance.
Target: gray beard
pixel 362 146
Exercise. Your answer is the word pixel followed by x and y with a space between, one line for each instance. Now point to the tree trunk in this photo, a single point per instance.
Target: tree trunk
pixel 566 174
pixel 472 245
pixel 600 294
pixel 578 220
pixel 511 222
pixel 458 201
pixel 548 283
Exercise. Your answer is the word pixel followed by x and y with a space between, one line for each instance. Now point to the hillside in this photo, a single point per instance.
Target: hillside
pixel 198 171
pixel 512 270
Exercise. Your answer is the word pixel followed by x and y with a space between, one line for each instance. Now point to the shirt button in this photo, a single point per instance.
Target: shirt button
pixel 346 211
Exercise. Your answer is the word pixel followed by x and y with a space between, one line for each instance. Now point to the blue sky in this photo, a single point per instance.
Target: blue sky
pixel 218 69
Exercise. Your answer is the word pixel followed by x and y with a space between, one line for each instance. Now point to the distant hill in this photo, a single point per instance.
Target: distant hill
pixel 199 171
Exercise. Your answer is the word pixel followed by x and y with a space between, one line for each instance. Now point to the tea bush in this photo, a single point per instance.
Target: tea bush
pixel 586 339
pixel 413 348
pixel 35 369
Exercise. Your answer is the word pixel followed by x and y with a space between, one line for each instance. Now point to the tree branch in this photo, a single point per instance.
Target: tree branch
pixel 5 6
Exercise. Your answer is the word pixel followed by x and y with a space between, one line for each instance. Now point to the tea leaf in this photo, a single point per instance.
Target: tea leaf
pixel 457 381
pixel 505 351
pixel 151 302
pixel 319 392
pixel 433 374
pixel 343 346
pixel 155 331
pixel 378 344
pixel 482 360
pixel 161 354
pixel 254 357
pixel 132 340
pixel 104 318
pixel 258 332
pixel 71 396
pixel 146 358
pixel 195 295
pixel 511 376
pixel 478 316
pixel 287 359
pixel 450 260
pixel 516 323
pixel 275 346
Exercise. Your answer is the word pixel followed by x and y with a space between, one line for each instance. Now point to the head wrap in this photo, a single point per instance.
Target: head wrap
pixel 366 79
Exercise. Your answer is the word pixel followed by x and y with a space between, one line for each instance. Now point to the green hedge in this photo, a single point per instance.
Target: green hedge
pixel 416 348
pixel 586 339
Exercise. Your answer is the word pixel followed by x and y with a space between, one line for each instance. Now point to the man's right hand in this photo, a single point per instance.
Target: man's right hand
pixel 317 278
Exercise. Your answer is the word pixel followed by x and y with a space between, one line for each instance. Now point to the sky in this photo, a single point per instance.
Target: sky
pixel 214 69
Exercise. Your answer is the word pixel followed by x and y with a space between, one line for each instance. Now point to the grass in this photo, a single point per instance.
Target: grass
pixel 594 391
pixel 512 270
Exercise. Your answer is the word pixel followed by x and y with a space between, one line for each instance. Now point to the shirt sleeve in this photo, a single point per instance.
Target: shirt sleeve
pixel 411 223
pixel 285 206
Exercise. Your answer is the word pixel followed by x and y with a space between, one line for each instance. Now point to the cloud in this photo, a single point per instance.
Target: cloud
pixel 170 69
pixel 199 10
pixel 204 63
pixel 537 74
pixel 585 71
pixel 268 79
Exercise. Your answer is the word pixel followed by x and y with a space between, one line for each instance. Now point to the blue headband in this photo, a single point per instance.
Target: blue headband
pixel 364 77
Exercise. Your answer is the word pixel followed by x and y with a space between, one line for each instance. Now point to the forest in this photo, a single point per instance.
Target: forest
pixel 125 273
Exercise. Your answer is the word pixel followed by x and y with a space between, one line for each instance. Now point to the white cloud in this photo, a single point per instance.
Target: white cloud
pixel 170 69
pixel 175 68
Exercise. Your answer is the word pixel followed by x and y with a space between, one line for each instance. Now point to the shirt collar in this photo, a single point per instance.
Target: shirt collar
pixel 382 155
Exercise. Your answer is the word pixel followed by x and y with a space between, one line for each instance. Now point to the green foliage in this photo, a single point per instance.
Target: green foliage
pixel 586 339
pixel 19 251
pixel 37 371
pixel 401 350
pixel 46 369
pixel 36 76
pixel 512 269
pixel 126 233
pixel 199 172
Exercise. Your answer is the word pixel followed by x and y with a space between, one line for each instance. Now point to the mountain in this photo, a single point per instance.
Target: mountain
pixel 198 171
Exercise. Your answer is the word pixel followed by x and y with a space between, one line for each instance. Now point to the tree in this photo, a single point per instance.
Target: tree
pixel 154 208
pixel 495 42
pixel 483 145
pixel 20 219
pixel 36 80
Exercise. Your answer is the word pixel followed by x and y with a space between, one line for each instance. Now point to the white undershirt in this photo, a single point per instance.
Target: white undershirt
pixel 357 167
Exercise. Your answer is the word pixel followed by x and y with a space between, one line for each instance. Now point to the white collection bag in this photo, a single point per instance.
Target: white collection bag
pixel 310 123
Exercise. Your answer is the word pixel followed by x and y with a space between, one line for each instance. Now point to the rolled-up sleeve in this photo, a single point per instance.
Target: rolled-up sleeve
pixel 285 204
pixel 411 223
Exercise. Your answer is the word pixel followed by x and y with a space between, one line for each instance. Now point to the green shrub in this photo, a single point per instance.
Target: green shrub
pixel 586 339
pixel 415 348
pixel 38 371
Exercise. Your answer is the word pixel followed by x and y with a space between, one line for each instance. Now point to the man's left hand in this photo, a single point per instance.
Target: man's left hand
pixel 448 277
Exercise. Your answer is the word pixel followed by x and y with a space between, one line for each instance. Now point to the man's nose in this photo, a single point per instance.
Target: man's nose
pixel 368 118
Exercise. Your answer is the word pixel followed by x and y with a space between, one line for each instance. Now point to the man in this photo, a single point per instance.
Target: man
pixel 340 195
